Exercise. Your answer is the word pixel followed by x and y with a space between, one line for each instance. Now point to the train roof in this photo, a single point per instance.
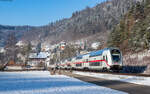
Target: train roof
pixel 79 57
pixel 95 53
pixel 99 52
pixel 91 54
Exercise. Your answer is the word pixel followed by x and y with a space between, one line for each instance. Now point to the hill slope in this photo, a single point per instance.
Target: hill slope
pixel 101 18
pixel 18 30
pixel 88 22
pixel 133 32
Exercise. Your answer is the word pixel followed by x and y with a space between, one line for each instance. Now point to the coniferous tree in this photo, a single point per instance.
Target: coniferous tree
pixel 38 48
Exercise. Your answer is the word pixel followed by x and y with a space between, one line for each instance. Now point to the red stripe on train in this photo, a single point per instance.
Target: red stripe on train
pixel 101 61
pixel 88 62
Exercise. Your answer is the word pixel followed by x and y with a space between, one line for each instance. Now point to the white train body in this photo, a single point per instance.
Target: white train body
pixel 106 59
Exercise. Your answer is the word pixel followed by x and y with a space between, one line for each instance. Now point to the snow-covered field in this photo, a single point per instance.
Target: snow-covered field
pixel 41 82
pixel 124 78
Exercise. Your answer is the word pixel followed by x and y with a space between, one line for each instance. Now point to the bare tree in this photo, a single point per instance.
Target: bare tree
pixel 11 48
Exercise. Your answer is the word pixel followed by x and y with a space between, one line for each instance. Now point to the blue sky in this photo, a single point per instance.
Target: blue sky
pixel 39 12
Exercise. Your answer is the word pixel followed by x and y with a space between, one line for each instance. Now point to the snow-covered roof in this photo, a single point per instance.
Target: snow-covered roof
pixel 95 45
pixel 2 50
pixel 40 55
pixel 20 43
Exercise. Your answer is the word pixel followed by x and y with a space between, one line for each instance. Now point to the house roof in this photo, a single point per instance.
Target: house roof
pixel 2 50
pixel 41 55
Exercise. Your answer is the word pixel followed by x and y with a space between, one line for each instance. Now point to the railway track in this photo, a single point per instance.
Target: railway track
pixel 114 73
pixel 113 84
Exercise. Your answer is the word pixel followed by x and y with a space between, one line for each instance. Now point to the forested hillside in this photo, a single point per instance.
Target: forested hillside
pixel 18 30
pixel 90 21
pixel 133 32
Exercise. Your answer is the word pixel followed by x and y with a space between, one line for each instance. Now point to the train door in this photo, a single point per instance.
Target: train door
pixel 103 64
pixel 83 64
pixel 106 60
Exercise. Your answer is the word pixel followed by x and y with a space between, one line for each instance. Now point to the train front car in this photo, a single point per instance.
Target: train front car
pixel 116 59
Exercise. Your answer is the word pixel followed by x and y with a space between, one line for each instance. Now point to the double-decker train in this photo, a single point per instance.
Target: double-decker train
pixel 105 59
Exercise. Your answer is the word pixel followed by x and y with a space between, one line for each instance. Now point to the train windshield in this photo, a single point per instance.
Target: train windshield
pixel 116 56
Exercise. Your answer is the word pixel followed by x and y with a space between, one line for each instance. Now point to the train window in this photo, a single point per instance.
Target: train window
pixel 116 55
pixel 103 57
pixel 78 65
pixel 116 58
pixel 69 59
pixel 95 64
pixel 100 63
pixel 86 60
pixel 115 51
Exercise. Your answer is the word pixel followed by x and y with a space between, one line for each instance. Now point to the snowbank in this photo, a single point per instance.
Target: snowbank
pixel 13 68
pixel 41 82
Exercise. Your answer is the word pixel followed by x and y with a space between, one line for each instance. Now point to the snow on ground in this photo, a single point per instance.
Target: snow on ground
pixel 124 78
pixel 41 82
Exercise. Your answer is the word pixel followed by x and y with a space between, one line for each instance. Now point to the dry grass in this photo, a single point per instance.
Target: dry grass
pixel 1 67
pixel 54 71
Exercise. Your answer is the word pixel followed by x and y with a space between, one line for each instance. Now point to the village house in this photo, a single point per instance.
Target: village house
pixel 38 59
pixel 21 44
pixel 2 50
